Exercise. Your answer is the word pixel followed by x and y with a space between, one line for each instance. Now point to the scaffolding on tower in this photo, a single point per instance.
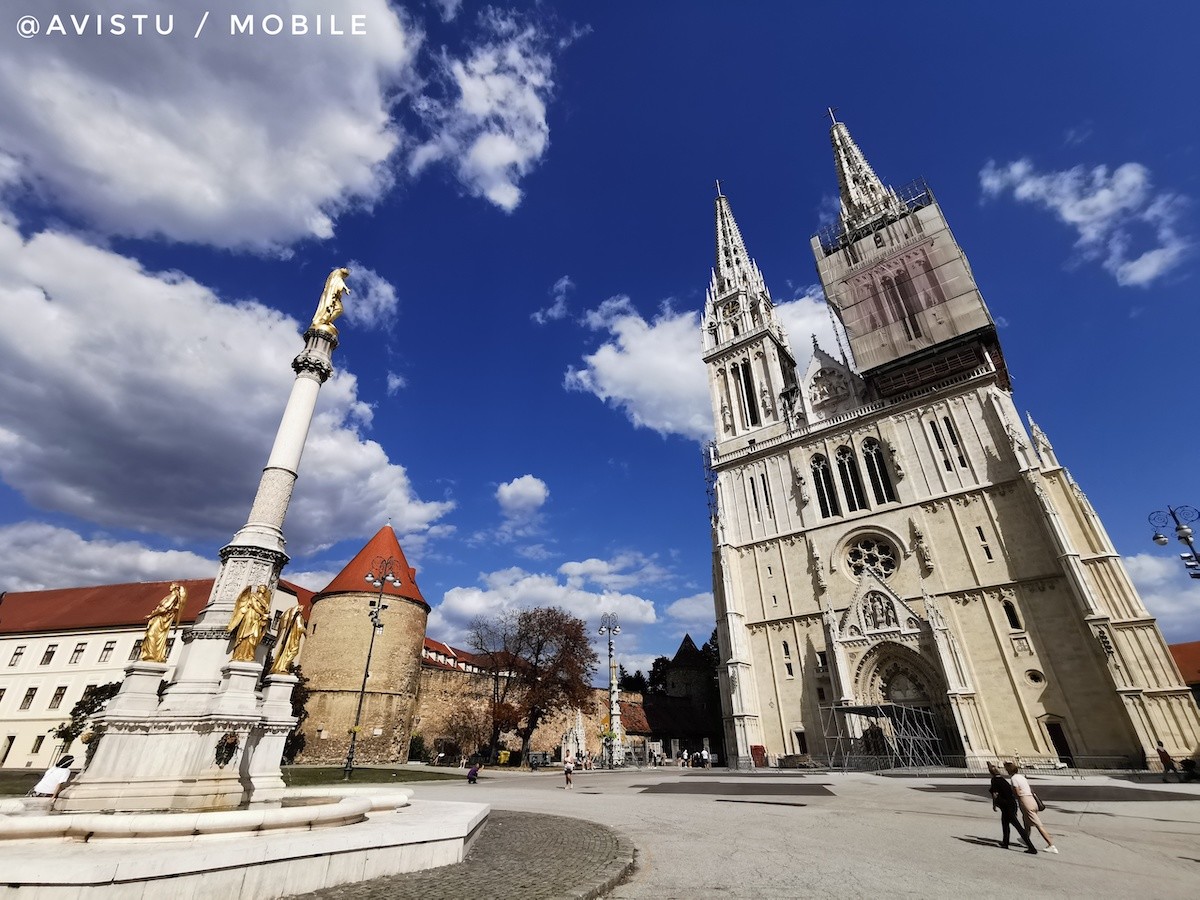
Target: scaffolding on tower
pixel 881 736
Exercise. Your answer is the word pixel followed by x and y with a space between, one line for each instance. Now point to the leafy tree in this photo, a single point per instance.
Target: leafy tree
pixel 633 683
pixel 95 698
pixel 657 683
pixel 416 748
pixel 548 665
pixel 467 727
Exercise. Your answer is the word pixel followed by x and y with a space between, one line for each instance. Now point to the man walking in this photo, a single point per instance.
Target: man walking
pixel 1168 764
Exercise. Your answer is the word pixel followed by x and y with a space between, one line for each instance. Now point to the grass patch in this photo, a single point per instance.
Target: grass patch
pixel 303 776
pixel 18 782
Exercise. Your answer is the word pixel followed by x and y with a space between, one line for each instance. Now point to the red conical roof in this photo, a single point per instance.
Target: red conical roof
pixel 353 578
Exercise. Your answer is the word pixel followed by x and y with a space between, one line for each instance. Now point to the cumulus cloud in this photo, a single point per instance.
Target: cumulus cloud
pixel 132 399
pixel 448 8
pixel 373 302
pixel 522 497
pixel 624 571
pixel 1168 593
pixel 696 611
pixel 491 127
pixel 1115 214
pixel 652 371
pixel 515 588
pixel 557 309
pixel 32 557
pixel 395 383
pixel 208 140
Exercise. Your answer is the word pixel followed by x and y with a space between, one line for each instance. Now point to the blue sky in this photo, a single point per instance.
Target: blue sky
pixel 524 194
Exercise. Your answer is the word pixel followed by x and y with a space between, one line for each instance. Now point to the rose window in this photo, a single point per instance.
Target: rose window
pixel 872 554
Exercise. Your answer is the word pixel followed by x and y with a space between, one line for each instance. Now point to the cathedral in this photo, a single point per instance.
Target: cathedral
pixel 901 568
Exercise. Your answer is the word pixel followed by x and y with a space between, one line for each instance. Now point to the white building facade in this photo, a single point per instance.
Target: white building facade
pixel 900 567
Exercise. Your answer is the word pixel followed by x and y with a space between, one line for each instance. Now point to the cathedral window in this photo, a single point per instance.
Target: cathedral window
pixel 953 435
pixel 881 484
pixel 754 500
pixel 766 494
pixel 852 486
pixel 749 401
pixel 823 481
pixel 872 554
pixel 1010 610
pixel 788 668
pixel 987 551
pixel 937 439
pixel 787 651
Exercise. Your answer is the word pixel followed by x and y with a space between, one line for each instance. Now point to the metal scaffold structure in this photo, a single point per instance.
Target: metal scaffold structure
pixel 881 736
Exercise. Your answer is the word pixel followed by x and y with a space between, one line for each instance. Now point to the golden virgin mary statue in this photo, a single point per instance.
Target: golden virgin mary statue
pixel 159 623
pixel 249 621
pixel 330 305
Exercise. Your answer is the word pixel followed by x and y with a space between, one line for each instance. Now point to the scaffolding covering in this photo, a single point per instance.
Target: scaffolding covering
pixel 881 736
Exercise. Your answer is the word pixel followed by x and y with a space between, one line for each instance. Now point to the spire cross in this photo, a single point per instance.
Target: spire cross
pixel 831 110
pixel 718 187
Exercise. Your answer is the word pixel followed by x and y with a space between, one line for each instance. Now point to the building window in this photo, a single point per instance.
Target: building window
pixel 77 653
pixel 774 600
pixel 754 499
pixel 801 742
pixel 937 439
pixel 987 551
pixel 57 699
pixel 881 484
pixel 788 668
pixel 823 481
pixel 1 695
pixel 1010 610
pixel 27 700
pixel 136 651
pixel 872 553
pixel 821 695
pixel 18 652
pixel 37 743
pixel 787 651
pixel 48 656
pixel 170 645
pixel 822 659
pixel 852 486
pixel 953 435
pixel 749 401
pixel 109 647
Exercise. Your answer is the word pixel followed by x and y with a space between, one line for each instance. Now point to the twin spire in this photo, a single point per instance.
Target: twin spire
pixel 864 196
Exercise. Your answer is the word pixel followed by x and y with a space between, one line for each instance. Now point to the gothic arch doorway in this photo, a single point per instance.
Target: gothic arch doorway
pixel 891 673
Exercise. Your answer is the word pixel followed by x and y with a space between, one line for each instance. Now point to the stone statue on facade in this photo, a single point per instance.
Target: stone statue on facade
pixel 292 629
pixel 159 623
pixel 249 622
pixel 330 305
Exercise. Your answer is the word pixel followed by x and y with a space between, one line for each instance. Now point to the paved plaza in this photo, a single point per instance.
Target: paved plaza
pixel 720 834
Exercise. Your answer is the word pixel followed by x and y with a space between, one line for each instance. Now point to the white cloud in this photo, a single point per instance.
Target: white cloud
pixel 222 140
pixel 515 588
pixel 522 497
pixel 1112 212
pixel 448 8
pixel 1168 593
pixel 624 571
pixel 137 400
pixel 653 371
pixel 557 309
pixel 35 556
pixel 373 301
pixel 492 128
pixel 696 611
pixel 395 383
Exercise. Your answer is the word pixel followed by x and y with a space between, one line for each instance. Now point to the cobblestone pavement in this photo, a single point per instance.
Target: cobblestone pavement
pixel 518 856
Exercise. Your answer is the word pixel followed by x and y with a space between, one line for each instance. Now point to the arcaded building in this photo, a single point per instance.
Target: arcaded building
pixel 901 566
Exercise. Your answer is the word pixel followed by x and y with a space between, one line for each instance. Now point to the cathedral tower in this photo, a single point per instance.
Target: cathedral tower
pixel 900 567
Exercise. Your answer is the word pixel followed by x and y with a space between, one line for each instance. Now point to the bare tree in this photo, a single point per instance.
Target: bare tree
pixel 541 661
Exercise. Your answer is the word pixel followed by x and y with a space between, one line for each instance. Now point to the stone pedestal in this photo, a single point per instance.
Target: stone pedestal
pixel 265 751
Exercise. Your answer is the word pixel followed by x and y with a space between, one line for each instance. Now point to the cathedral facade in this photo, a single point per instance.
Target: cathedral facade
pixel 901 566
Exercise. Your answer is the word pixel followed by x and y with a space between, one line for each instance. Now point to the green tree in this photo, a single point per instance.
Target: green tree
pixel 633 683
pixel 549 665
pixel 95 698
pixel 657 683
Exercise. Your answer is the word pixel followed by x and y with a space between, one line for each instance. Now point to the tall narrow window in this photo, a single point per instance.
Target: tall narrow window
pixel 788 668
pixel 911 304
pixel 937 439
pixel 751 402
pixel 57 699
pixel 987 551
pixel 787 651
pixel 18 652
pixel 1010 610
pixel 77 653
pixel 48 656
pixel 823 482
pixel 852 486
pixel 37 744
pixel 136 651
pixel 754 500
pixel 950 433
pixel 766 494
pixel 877 472
pixel 27 700
pixel 109 647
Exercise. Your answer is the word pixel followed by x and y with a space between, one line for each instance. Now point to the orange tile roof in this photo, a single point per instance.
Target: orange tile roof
pixel 1187 657
pixel 105 606
pixel 352 579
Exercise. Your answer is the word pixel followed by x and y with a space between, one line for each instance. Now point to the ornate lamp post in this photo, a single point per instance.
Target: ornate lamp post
pixel 1181 515
pixel 383 571
pixel 609 626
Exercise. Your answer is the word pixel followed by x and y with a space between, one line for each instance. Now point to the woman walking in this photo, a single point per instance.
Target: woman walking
pixel 568 768
pixel 1029 809
pixel 1005 800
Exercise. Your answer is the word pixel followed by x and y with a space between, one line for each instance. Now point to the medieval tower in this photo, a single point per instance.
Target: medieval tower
pixel 901 568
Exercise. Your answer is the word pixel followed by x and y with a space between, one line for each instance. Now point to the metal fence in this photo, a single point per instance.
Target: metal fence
pixel 976 766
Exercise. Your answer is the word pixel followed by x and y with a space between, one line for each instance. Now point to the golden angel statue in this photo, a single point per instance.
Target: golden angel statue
pixel 159 623
pixel 330 306
pixel 249 623
pixel 292 628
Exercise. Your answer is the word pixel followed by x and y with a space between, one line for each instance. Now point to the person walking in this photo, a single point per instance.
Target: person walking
pixel 54 778
pixel 1168 764
pixel 704 760
pixel 568 768
pixel 1029 804
pixel 1005 800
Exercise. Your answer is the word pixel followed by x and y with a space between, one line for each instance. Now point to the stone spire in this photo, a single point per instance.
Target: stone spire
pixel 734 269
pixel 864 196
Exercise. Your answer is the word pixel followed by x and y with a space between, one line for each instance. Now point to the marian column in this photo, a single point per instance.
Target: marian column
pixel 213 740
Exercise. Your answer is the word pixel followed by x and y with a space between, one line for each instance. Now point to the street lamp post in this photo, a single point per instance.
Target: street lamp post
pixel 609 626
pixel 383 571
pixel 1181 516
